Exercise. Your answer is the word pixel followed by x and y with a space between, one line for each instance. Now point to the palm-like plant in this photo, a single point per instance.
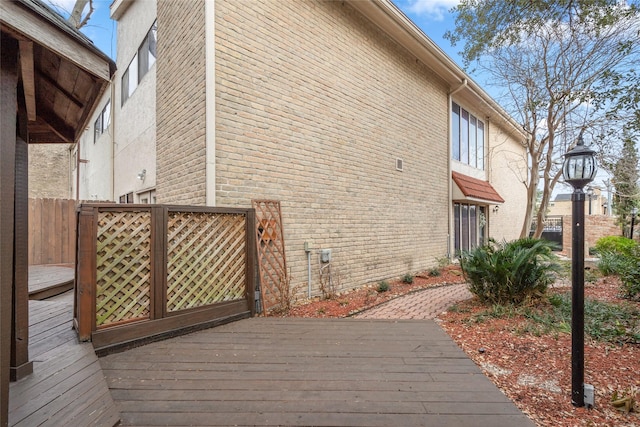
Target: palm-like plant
pixel 510 272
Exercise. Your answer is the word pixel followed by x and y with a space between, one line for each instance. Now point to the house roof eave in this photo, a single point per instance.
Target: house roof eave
pixel 390 19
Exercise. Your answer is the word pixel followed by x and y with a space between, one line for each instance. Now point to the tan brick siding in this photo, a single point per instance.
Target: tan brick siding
pixel 313 106
pixel 180 102
pixel 595 227
pixel 49 171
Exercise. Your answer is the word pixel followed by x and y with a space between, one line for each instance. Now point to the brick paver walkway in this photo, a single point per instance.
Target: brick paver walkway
pixel 426 304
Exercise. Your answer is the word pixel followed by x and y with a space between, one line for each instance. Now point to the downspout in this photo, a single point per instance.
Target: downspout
pixel 210 103
pixel 113 140
pixel 78 170
pixel 487 143
pixel 463 85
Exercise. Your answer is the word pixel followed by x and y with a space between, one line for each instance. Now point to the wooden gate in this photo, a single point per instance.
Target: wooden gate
pixel 146 271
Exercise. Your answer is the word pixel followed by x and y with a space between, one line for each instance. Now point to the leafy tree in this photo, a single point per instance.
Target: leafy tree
pixel 625 179
pixel 563 66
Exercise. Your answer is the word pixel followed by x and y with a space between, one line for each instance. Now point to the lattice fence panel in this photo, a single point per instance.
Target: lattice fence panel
pixel 272 262
pixel 123 267
pixel 206 259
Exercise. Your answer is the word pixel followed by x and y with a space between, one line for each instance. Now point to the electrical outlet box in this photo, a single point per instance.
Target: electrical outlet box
pixel 308 246
pixel 589 395
pixel 325 255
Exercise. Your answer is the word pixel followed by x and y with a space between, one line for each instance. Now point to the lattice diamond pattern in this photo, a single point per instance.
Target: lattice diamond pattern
pixel 271 256
pixel 206 259
pixel 123 267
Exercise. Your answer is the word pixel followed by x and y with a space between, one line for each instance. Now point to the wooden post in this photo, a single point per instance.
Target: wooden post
pixel 250 257
pixel 85 321
pixel 20 364
pixel 8 103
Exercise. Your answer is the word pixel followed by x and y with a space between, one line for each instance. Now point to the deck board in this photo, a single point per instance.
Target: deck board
pixel 48 280
pixel 269 371
pixel 67 386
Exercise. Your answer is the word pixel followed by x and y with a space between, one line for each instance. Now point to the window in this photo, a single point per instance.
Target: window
pixel 470 226
pixel 126 198
pixel 467 137
pixel 102 121
pixel 148 196
pixel 142 61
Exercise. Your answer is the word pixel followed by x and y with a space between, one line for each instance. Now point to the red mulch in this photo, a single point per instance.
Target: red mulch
pixel 355 301
pixel 534 370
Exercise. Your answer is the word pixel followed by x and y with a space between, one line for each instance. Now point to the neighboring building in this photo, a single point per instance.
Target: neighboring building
pixel 595 203
pixel 117 159
pixel 50 170
pixel 377 145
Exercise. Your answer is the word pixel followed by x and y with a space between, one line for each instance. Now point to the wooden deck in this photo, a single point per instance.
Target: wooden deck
pixel 295 372
pixel 67 387
pixel 46 281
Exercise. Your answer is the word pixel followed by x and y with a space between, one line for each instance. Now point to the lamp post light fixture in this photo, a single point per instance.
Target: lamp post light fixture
pixel 579 169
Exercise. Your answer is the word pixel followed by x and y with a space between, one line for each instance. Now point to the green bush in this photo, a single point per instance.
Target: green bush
pixel 383 286
pixel 434 272
pixel 510 272
pixel 630 275
pixel 611 263
pixel 407 278
pixel 627 267
pixel 616 244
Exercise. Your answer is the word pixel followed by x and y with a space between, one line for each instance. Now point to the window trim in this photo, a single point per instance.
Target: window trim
pixel 142 61
pixel 102 122
pixel 472 234
pixel 466 148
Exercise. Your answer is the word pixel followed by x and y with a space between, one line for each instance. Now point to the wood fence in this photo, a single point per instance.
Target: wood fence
pixel 145 271
pixel 52 231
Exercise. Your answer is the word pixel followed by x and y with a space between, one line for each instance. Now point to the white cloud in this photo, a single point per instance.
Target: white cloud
pixel 434 9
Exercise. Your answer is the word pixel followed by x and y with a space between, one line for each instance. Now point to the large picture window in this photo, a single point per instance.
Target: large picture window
pixel 467 137
pixel 469 226
pixel 141 63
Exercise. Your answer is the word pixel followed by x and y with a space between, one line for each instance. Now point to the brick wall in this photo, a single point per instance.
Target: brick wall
pixel 596 226
pixel 180 102
pixel 313 106
pixel 49 171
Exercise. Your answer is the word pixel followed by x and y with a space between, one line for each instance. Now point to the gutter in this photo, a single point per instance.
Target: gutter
pixel 386 16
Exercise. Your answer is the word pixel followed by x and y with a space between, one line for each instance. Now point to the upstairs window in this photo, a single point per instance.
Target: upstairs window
pixel 102 121
pixel 142 61
pixel 467 137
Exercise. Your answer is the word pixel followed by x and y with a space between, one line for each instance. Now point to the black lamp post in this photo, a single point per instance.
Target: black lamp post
pixel 634 212
pixel 579 169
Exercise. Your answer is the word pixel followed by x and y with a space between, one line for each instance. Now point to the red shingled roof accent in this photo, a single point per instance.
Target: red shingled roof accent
pixel 476 188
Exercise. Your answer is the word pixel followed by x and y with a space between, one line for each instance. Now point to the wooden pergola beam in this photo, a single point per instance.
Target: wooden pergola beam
pixel 28 78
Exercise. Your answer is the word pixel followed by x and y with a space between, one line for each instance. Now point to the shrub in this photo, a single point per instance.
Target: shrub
pixel 434 272
pixel 383 286
pixel 616 244
pixel 611 263
pixel 630 275
pixel 407 278
pixel 627 267
pixel 511 272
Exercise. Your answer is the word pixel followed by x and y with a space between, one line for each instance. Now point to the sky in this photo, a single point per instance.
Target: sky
pixel 432 16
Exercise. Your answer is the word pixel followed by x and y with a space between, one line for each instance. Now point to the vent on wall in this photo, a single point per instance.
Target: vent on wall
pixel 399 164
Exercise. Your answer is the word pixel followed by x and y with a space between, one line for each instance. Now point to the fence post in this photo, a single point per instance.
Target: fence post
pixel 251 254
pixel 86 235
